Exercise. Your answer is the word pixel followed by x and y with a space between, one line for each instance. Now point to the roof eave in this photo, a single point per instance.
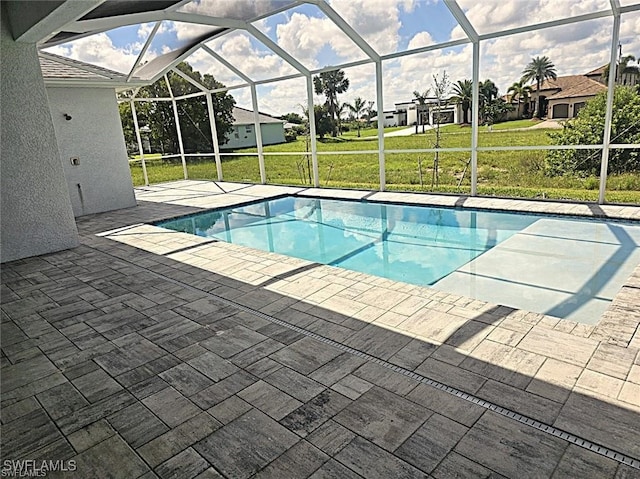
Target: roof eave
pixel 88 83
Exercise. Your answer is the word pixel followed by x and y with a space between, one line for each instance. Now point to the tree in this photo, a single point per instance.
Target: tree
pixel 340 114
pixel 293 118
pixel 330 84
pixel 487 92
pixel 357 108
pixel 421 98
pixel 324 124
pixel 520 91
pixel 370 112
pixel 441 87
pixel 496 110
pixel 192 112
pixel 463 96
pixel 588 129
pixel 539 69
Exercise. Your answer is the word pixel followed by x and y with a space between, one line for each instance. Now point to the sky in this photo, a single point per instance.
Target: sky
pixel 389 26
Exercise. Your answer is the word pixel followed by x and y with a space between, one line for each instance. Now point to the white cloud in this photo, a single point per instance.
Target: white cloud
pixel 99 50
pixel 496 15
pixel 256 63
pixel 377 21
pixel 574 48
pixel 304 37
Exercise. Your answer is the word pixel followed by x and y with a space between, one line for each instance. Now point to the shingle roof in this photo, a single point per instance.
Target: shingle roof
pixel 597 71
pixel 245 117
pixel 55 66
pixel 560 83
pixel 580 87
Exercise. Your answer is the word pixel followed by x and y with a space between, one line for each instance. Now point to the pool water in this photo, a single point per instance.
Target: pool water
pixel 563 267
pixel 412 244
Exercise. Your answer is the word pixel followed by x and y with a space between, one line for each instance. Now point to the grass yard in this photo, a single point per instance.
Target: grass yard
pixel 507 125
pixel 364 132
pixel 500 173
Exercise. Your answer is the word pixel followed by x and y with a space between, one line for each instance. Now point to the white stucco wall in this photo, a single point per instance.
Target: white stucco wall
pixel 272 134
pixel 36 216
pixel 101 181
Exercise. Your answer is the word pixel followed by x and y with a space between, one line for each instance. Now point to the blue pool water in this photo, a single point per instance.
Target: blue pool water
pixel 417 245
pixel 564 267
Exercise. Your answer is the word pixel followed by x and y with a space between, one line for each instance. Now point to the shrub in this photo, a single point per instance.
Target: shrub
pixel 588 129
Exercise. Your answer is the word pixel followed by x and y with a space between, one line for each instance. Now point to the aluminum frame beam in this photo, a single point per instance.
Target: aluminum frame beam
pixel 258 133
pixel 178 129
pixel 140 147
pixel 462 20
pixel 606 140
pixel 142 53
pixel 214 135
pixel 51 22
pixel 347 29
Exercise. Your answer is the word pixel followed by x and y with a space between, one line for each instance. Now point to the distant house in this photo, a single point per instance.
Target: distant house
pixel 629 78
pixel 243 134
pixel 389 119
pixel 563 97
pixel 410 112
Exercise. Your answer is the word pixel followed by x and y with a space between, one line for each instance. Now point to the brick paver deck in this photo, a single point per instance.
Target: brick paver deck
pixel 147 353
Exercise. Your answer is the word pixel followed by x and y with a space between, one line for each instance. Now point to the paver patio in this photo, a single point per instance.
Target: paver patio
pixel 148 353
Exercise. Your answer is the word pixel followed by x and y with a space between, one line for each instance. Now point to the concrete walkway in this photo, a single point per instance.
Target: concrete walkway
pixel 407 131
pixel 145 353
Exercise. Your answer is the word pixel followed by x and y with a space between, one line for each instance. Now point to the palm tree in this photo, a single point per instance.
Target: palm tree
pixel 422 101
pixel 463 95
pixel 330 84
pixel 340 113
pixel 622 67
pixel 357 108
pixel 540 69
pixel 488 92
pixel 521 91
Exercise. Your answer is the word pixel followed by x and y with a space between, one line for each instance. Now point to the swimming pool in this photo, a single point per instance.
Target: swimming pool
pixel 565 267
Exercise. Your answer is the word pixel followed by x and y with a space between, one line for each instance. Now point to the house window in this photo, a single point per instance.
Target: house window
pixel 236 134
pixel 248 129
pixel 577 107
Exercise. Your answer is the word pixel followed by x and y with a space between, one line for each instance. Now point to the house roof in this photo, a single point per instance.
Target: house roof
pixel 598 71
pixel 580 87
pixel 56 68
pixel 245 117
pixel 560 83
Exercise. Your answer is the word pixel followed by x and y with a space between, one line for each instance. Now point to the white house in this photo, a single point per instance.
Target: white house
pixel 411 113
pixel 243 134
pixel 86 121
pixel 389 118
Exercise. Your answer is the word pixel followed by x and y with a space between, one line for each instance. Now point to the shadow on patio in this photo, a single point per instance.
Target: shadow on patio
pixel 127 361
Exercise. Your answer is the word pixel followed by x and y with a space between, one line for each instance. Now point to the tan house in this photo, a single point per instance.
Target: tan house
pixel 563 97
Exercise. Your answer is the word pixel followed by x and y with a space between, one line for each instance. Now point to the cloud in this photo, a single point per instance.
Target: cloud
pixel 574 49
pixel 253 59
pixel 377 21
pixel 305 37
pixel 316 41
pixel 99 50
pixel 495 15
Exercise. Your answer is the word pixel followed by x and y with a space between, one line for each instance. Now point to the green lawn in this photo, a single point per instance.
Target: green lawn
pixel 505 125
pixel 364 132
pixel 501 173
